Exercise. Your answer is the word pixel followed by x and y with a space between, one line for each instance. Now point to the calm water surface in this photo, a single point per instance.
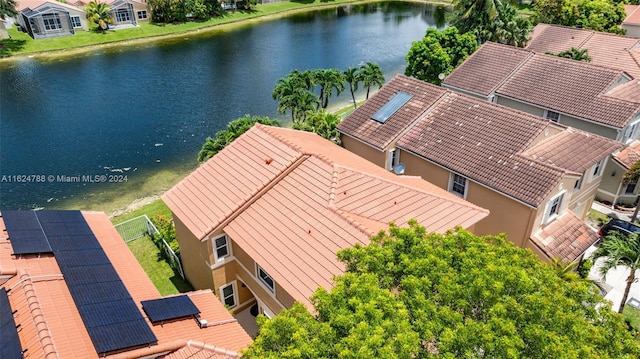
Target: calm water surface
pixel 137 111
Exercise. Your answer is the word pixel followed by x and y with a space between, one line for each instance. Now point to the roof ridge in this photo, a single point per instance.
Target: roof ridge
pixel 583 63
pixel 631 53
pixel 352 221
pixel 35 310
pixel 294 146
pixel 592 33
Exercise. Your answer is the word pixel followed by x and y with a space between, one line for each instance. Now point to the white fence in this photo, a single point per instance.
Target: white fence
pixel 142 226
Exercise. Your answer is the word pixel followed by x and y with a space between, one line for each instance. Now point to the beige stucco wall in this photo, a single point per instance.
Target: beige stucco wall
pixel 363 150
pixel 564 119
pixel 506 215
pixel 632 30
pixel 194 255
pixel 611 179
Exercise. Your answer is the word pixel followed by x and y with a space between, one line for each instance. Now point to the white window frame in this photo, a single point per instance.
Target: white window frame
pixel 630 132
pixel 550 115
pixel 73 22
pixel 271 288
pixel 452 183
pixel 550 216
pixel 142 14
pixel 596 170
pixel 51 22
pixel 393 158
pixel 626 187
pixel 580 182
pixel 215 247
pixel 234 294
pixel 122 15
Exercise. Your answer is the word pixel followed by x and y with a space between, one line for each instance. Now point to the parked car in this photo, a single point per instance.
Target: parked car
pixel 618 225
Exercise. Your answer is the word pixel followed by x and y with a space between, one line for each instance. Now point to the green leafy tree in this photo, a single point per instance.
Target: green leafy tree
pixel 234 129
pixel 293 95
pixel 370 75
pixel 574 54
pixel 352 78
pixel 491 20
pixel 618 250
pixel 329 80
pixel 98 13
pixel 199 9
pixel 7 8
pixel 410 294
pixel 321 123
pixel 439 52
pixel 598 15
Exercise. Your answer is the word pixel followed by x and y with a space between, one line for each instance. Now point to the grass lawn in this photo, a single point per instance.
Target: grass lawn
pixel 157 268
pixel 598 217
pixel 632 315
pixel 153 208
pixel 21 44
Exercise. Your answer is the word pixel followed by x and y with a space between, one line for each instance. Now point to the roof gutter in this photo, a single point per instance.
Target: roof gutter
pixel 166 348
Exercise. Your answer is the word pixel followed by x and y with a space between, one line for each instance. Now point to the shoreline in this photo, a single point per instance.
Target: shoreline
pixel 75 51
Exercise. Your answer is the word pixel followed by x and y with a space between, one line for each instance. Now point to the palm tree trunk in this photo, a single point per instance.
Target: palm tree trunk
pixel 354 99
pixel 630 280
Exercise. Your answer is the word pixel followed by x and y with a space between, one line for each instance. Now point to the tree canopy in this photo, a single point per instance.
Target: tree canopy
pixel 234 130
pixel 491 20
pixel 411 294
pixel 439 52
pixel 98 13
pixel 598 15
pixel 7 8
pixel 574 54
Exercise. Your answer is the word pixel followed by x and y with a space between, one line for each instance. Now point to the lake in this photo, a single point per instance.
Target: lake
pixel 98 130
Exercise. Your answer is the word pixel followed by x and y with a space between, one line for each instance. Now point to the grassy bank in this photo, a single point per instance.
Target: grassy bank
pixel 21 44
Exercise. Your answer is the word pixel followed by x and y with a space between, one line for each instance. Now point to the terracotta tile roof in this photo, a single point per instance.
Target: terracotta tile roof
pixel 567 237
pixel 573 150
pixel 491 67
pixel 570 87
pixel 51 324
pixel 34 4
pixel 476 139
pixel 628 92
pixel 605 49
pixel 633 15
pixel 380 135
pixel 195 351
pixel 329 200
pixel 629 156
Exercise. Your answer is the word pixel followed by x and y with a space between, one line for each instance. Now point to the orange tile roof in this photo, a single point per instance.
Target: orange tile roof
pixel 629 91
pixel 327 200
pixel 629 156
pixel 606 49
pixel 51 324
pixel 567 237
pixel 633 15
pixel 34 4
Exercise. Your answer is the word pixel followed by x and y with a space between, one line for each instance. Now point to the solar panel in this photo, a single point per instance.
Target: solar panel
pixel 25 232
pixel 391 107
pixel 112 318
pixel 9 341
pixel 162 309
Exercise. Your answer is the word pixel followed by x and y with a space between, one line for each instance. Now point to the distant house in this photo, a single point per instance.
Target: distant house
pixel 536 177
pixel 128 12
pixel 262 220
pixel 632 22
pixel 71 288
pixel 606 49
pixel 613 188
pixel 3 29
pixel 48 18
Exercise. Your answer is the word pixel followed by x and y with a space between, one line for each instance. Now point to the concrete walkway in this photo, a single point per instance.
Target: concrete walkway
pixel 611 212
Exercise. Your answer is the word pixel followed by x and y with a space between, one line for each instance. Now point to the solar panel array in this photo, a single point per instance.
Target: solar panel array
pixel 10 347
pixel 110 315
pixel 25 232
pixel 159 310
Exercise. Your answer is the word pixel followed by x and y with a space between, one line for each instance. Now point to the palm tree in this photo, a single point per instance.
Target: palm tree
pixel 352 77
pixel 566 271
pixel 321 123
pixel 620 250
pixel 98 13
pixel 329 79
pixel 286 92
pixel 575 54
pixel 371 74
pixel 469 9
pixel 7 8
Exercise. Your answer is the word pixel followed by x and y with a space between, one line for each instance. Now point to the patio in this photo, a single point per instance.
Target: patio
pixel 248 322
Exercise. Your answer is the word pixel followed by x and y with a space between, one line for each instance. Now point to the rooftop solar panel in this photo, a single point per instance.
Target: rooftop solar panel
pixel 9 341
pixel 61 216
pixel 162 309
pixel 391 107
pixel 99 292
pixel 25 232
pixel 73 242
pixel 112 337
pixel 81 258
pixel 58 229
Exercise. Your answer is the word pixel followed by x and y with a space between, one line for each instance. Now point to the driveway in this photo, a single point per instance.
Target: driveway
pixel 614 283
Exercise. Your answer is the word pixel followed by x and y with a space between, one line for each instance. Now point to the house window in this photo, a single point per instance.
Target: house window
pixel 228 295
pixel 221 247
pixel 630 133
pixel 122 15
pixel 552 115
pixel 266 279
pixel 392 161
pixel 631 187
pixel 75 22
pixel 458 185
pixel 51 22
pixel 596 170
pixel 553 208
pixel 578 183
pixel 142 14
